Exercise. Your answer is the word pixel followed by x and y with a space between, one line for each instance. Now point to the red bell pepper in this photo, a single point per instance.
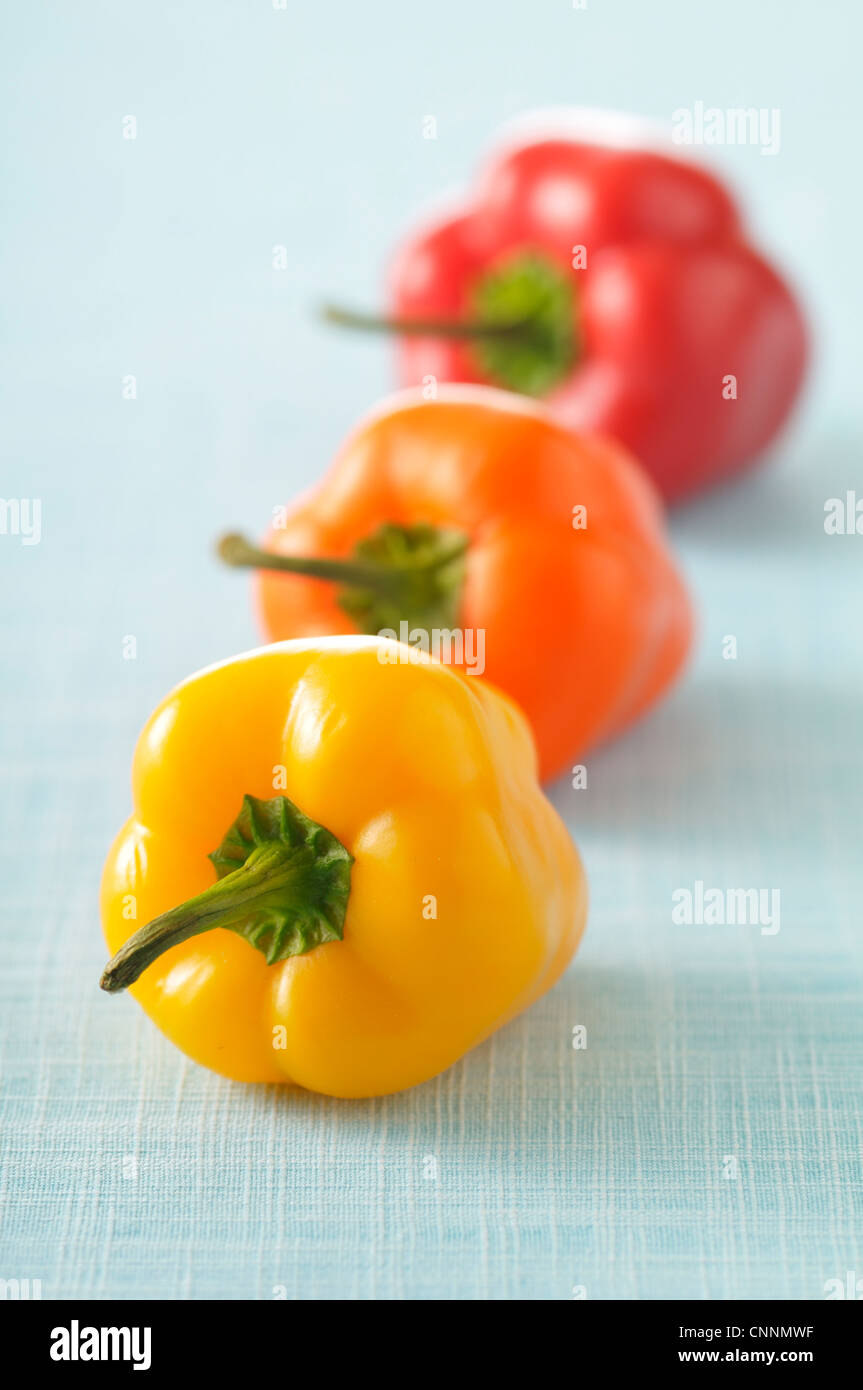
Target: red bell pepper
pixel 617 284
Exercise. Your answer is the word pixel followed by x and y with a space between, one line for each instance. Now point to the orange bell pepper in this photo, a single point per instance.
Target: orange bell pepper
pixel 537 556
pixel 375 830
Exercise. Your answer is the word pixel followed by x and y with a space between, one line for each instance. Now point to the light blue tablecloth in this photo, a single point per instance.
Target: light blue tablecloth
pixel 707 1142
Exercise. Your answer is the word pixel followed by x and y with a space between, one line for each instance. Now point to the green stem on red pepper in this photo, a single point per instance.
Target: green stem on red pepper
pixel 424 327
pixel 521 324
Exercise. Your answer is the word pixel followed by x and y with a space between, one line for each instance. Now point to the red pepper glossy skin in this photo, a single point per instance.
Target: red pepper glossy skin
pixel 672 302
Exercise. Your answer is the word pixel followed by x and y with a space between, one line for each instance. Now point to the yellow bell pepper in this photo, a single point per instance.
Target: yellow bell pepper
pixel 371 822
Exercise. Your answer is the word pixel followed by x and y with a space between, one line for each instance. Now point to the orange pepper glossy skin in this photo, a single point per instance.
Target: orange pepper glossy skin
pixel 584 628
pixel 429 780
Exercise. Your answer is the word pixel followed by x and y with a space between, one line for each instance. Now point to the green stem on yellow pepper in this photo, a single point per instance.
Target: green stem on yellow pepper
pixel 283 883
